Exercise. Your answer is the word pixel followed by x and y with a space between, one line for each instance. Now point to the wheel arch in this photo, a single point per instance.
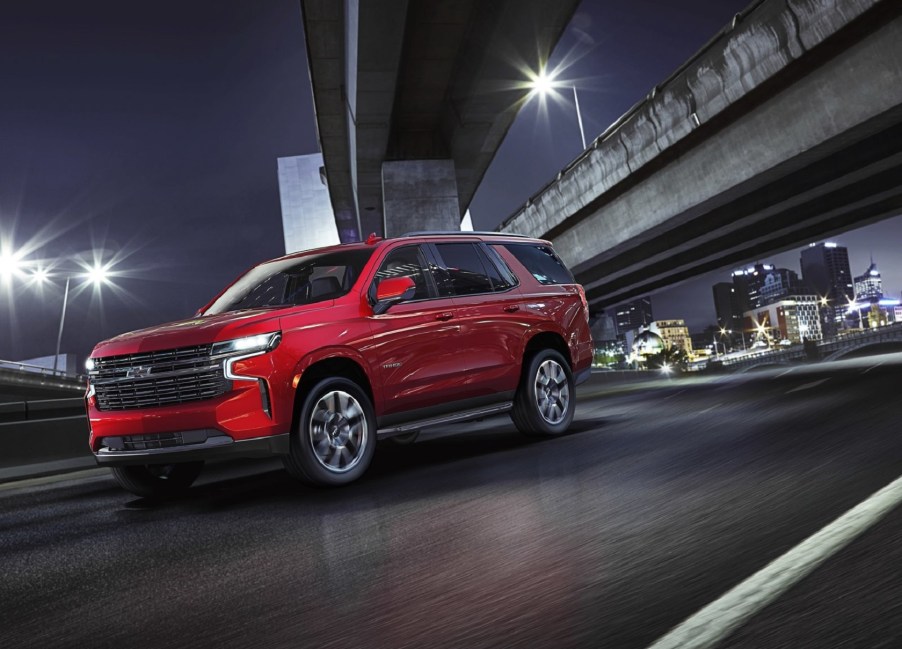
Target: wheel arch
pixel 546 340
pixel 334 365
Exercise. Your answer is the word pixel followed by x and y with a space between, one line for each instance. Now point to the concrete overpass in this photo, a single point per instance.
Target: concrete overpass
pixel 413 98
pixel 785 128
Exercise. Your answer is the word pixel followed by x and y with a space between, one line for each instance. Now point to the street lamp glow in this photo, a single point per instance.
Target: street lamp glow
pixel 9 264
pixel 98 275
pixel 40 275
pixel 542 83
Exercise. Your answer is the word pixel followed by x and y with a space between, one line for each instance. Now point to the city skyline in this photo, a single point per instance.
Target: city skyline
pixel 877 240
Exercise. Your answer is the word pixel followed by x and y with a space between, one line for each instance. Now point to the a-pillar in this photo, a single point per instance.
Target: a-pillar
pixel 419 195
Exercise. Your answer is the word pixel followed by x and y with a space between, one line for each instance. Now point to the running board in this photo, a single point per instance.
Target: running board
pixel 475 413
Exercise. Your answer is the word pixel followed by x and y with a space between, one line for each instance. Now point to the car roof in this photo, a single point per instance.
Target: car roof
pixel 376 241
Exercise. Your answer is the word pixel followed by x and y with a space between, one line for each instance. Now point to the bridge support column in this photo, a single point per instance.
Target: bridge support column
pixel 419 195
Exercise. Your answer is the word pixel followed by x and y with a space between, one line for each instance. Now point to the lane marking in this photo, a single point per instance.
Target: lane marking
pixel 872 367
pixel 719 619
pixel 701 412
pixel 807 386
pixel 784 372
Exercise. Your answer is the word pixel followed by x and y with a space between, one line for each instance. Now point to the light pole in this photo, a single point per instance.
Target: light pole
pixel 543 84
pixel 59 337
pixel 97 275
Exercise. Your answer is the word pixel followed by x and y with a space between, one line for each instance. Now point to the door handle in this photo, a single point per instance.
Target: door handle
pixel 447 315
pixel 510 308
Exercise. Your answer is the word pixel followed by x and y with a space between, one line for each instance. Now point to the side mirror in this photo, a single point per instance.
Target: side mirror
pixel 392 291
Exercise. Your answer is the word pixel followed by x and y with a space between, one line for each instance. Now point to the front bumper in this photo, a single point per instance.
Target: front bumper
pixel 184 446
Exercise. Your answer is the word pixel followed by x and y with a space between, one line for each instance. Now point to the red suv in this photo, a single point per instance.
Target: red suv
pixel 317 355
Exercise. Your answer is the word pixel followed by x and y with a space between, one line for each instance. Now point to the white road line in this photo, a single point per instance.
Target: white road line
pixel 785 372
pixel 807 386
pixel 872 367
pixel 720 618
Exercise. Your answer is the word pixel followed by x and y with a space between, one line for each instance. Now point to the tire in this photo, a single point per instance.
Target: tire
pixel 545 399
pixel 334 437
pixel 157 480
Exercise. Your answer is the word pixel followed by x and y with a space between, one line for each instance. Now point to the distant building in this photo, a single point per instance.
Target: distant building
pixel 869 286
pixel 727 306
pixel 763 284
pixel 825 270
pixel 795 318
pixel 632 315
pixel 307 217
pixel 674 333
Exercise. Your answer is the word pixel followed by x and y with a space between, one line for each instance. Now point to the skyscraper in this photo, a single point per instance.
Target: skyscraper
pixel 632 315
pixel 825 270
pixel 727 306
pixel 763 284
pixel 869 286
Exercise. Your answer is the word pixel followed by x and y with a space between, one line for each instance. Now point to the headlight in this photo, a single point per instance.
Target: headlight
pixel 241 349
pixel 89 364
pixel 250 344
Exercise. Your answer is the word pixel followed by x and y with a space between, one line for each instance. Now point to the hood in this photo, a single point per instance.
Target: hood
pixel 201 330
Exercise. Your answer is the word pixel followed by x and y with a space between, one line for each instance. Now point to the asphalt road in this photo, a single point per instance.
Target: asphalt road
pixel 662 498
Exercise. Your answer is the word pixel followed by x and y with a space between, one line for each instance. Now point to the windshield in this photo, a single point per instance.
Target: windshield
pixel 289 282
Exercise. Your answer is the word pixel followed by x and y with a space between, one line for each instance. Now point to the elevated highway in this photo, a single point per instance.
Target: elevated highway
pixel 413 99
pixel 785 128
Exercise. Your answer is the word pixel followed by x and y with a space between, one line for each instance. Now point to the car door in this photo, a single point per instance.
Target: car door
pixel 413 345
pixel 488 304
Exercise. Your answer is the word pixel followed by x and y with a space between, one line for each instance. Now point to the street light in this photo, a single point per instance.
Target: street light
pixel 96 275
pixel 544 83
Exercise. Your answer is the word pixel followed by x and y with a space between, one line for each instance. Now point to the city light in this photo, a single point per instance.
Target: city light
pixel 10 264
pixel 544 83
pixel 98 275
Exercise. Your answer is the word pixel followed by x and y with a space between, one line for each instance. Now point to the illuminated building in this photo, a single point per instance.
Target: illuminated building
pixel 869 286
pixel 674 333
pixel 825 270
pixel 794 318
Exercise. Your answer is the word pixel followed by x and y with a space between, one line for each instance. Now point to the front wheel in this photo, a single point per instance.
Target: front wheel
pixel 157 480
pixel 334 438
pixel 544 403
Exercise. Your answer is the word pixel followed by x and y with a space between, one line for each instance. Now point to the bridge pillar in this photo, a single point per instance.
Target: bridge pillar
pixel 419 195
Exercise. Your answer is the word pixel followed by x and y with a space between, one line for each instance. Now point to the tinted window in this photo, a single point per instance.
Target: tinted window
pixel 298 280
pixel 541 262
pixel 466 272
pixel 405 262
pixel 505 276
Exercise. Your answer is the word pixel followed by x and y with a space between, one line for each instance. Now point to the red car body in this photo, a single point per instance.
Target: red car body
pixel 166 395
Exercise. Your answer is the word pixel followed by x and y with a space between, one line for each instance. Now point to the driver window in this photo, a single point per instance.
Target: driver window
pixel 405 262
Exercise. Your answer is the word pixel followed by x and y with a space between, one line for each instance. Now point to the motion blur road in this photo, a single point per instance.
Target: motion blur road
pixel 662 498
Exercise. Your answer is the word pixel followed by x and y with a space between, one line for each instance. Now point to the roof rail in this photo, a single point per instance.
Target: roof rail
pixel 463 233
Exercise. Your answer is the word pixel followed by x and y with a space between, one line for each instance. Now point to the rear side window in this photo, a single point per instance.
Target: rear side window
pixel 541 262
pixel 467 271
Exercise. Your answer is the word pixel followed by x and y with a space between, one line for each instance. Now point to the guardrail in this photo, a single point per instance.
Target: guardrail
pixel 34 369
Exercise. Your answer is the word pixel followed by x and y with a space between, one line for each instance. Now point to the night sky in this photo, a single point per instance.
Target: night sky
pixel 149 132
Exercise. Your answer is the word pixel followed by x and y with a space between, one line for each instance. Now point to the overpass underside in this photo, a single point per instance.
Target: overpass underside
pixel 786 130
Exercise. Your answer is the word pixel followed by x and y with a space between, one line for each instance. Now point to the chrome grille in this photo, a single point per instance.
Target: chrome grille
pixel 168 360
pixel 160 378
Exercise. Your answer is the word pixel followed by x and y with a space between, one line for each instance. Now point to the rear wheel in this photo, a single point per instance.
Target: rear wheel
pixel 335 435
pixel 544 403
pixel 157 480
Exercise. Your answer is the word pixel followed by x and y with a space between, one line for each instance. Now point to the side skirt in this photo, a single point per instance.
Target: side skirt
pixel 463 415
